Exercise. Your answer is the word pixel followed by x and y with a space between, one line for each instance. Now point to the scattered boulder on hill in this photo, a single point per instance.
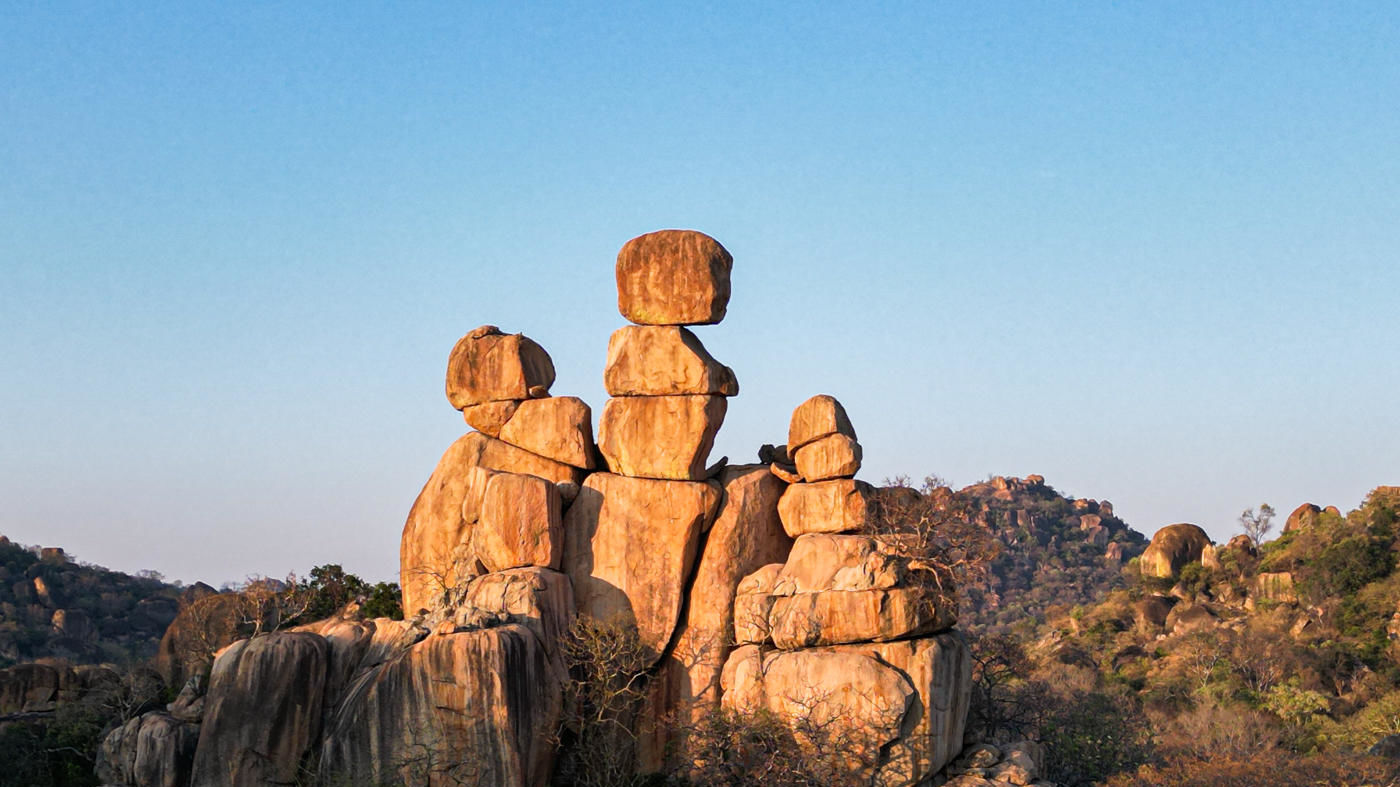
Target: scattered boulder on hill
pixel 1303 516
pixel 1172 548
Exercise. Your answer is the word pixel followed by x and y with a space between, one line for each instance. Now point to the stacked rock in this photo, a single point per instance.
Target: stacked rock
pixel 849 609
pixel 668 393
pixel 632 537
pixel 495 502
pixel 824 496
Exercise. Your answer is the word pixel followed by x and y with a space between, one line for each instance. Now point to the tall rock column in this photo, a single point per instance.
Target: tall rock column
pixel 631 538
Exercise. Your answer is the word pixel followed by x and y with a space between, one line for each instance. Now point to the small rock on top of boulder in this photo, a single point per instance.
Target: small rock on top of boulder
pixel 816 418
pixel 673 277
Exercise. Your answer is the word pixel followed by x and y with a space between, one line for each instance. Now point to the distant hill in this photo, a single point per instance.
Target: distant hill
pixel 54 607
pixel 1056 552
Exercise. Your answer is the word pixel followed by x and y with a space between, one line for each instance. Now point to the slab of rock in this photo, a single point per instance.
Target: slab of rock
pixel 833 456
pixel 478 707
pixel 1173 547
pixel 673 277
pixel 489 417
pixel 487 365
pixel 521 523
pixel 435 550
pixel 663 360
pixel 629 547
pixel 746 535
pixel 665 437
pixel 828 507
pixel 835 617
pixel 753 601
pixel 263 710
pixel 907 701
pixel 558 428
pixel 816 418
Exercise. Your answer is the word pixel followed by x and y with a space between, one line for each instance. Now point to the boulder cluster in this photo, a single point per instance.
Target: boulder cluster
pixel 757 586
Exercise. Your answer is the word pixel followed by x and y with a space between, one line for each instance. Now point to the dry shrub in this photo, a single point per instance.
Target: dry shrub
pixel 607 666
pixel 730 748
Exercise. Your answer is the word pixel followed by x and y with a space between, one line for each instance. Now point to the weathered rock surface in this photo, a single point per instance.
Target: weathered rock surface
pixel 821 561
pixel 521 523
pixel 489 417
pixel 151 750
pixel 558 428
pixel 263 711
pixel 1172 548
pixel 816 418
pixel 435 553
pixel 536 598
pixel 877 615
pixel 833 456
pixel 475 707
pixel 673 277
pixel 837 506
pixel 663 360
pixel 666 437
pixel 630 545
pixel 487 365
pixel 745 536
pixel 906 702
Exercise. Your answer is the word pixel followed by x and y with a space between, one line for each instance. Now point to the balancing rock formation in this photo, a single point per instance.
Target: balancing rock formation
pixel 761 586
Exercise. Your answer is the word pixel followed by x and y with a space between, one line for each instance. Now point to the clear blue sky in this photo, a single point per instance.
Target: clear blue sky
pixel 1150 251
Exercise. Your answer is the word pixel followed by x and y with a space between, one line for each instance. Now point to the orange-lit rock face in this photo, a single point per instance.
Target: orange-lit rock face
pixel 839 506
pixel 673 277
pixel 557 427
pixel 520 523
pixel 816 418
pixel 629 546
pixel 488 366
pixel 661 360
pixel 667 437
pixel 833 456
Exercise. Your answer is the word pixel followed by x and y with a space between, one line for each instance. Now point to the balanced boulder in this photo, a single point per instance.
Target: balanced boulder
pixel 673 277
pixel 815 418
pixel 833 456
pixel 487 365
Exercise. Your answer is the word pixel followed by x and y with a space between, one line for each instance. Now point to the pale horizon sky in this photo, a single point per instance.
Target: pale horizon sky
pixel 1150 252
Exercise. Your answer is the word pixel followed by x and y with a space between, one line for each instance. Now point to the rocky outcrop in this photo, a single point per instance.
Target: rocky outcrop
pixel 521 529
pixel 1172 548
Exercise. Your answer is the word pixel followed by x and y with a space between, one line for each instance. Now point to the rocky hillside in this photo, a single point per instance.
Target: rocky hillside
pixel 54 607
pixel 1238 658
pixel 1056 552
